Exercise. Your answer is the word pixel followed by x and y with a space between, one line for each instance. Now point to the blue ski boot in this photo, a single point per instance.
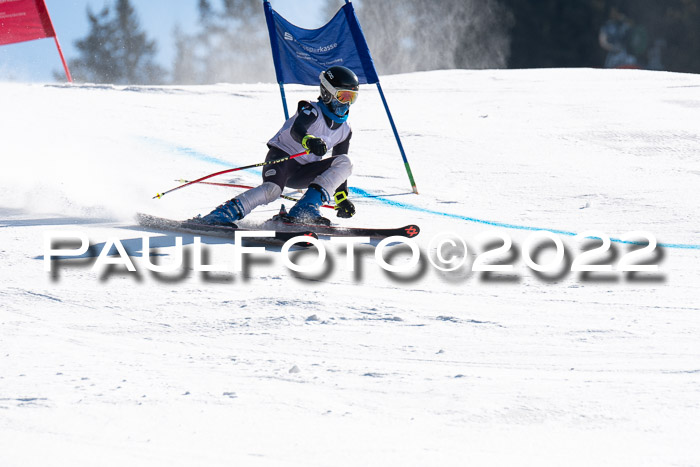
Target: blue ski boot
pixel 226 214
pixel 305 211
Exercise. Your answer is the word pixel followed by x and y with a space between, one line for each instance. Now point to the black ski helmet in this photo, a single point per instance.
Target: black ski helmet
pixel 335 80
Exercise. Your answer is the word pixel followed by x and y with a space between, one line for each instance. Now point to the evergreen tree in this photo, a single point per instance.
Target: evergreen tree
pixel 555 33
pixel 415 35
pixel 676 23
pixel 564 33
pixel 231 45
pixel 116 50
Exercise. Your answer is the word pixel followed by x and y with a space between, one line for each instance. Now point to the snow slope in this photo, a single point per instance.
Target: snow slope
pixel 270 367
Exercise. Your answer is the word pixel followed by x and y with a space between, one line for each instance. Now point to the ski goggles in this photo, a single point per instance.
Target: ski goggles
pixel 344 96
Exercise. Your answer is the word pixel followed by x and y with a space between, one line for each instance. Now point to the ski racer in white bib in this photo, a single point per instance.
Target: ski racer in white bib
pixel 317 127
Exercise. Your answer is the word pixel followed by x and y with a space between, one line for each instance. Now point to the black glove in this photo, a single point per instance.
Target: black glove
pixel 343 206
pixel 314 145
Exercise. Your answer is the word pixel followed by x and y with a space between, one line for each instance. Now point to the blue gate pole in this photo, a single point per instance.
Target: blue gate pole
pixel 398 140
pixel 275 53
pixel 284 102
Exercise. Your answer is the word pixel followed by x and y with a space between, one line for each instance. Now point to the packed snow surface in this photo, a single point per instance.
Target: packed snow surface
pixel 354 365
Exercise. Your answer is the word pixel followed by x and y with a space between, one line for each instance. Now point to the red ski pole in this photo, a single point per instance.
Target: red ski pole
pixel 259 164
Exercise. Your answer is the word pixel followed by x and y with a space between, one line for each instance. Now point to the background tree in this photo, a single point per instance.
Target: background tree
pixel 415 35
pixel 564 33
pixel 555 33
pixel 676 23
pixel 116 50
pixel 231 45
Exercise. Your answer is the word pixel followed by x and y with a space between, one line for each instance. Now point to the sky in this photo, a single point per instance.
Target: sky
pixel 36 61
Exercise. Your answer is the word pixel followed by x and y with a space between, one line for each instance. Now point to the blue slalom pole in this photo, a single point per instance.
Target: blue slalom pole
pixel 398 140
pixel 284 102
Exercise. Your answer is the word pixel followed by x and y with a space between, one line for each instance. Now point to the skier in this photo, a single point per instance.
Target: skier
pixel 316 128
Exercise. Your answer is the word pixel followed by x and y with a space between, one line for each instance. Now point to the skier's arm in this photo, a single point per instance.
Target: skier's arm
pixel 306 116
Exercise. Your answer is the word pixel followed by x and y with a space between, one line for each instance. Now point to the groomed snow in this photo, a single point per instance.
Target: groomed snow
pixel 270 367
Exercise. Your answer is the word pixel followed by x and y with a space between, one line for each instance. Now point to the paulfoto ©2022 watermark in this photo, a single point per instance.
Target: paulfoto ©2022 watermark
pixel 542 252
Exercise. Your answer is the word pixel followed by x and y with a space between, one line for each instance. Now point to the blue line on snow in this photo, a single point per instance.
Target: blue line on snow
pixel 205 157
pixel 410 207
pixel 201 156
pixel 184 150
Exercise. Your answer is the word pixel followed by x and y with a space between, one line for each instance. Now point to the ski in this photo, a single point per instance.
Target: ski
pixel 282 221
pixel 408 231
pixel 222 231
